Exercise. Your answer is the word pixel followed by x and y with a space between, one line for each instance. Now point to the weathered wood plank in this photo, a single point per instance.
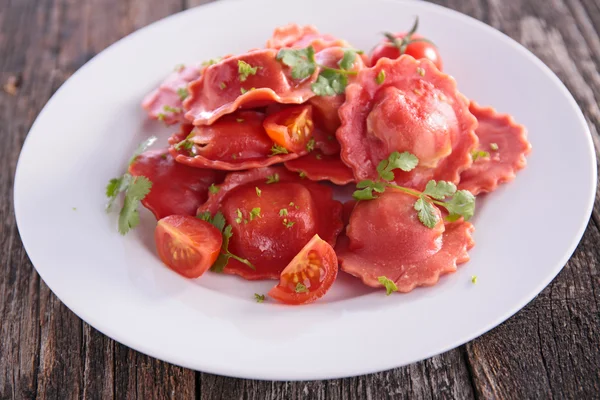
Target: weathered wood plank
pixel 441 377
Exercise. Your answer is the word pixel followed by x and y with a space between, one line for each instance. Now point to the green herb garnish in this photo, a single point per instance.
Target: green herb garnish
pixel 494 146
pixel 213 189
pixel 219 222
pixel 389 285
pixel 459 203
pixel 477 154
pixel 259 297
pixel 380 77
pixel 135 189
pixel 258 191
pixel 273 178
pixel 245 70
pixel 182 93
pixel 277 149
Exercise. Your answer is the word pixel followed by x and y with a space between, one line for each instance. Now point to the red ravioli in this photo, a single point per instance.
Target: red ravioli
pixel 318 167
pixel 385 238
pixel 176 188
pixel 170 94
pixel 416 109
pixel 235 142
pixel 292 211
pixel 221 90
pixel 296 36
pixel 505 141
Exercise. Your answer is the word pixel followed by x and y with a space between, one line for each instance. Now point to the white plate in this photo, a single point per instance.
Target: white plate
pixel 526 231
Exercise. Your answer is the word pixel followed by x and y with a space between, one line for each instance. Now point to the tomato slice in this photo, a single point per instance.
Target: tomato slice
pixel 309 275
pixel 416 48
pixel 187 245
pixel 291 127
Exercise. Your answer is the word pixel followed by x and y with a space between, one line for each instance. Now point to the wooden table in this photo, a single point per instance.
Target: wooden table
pixel 550 349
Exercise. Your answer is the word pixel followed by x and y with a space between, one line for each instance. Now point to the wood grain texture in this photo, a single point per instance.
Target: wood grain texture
pixel 550 349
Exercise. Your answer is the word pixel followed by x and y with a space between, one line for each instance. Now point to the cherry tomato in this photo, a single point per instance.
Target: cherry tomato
pixel 187 245
pixel 309 275
pixel 291 127
pixel 416 48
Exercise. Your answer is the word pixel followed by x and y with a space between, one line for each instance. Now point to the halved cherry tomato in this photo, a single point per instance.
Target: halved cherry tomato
pixel 417 47
pixel 309 275
pixel 187 245
pixel 291 127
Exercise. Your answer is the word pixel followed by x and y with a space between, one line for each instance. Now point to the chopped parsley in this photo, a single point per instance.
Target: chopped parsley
pixel 258 191
pixel 213 189
pixel 283 212
pixel 380 78
pixel 182 93
pixel 477 154
pixel 210 62
pixel 255 213
pixel 277 149
pixel 245 70
pixel 474 279
pixel 302 174
pixel 273 178
pixel 174 110
pixel 244 91
pixel 301 288
pixel 494 146
pixel 319 156
pixel 420 71
pixel 222 85
pixel 239 216
pixel 292 204
pixel 389 285
pixel 459 203
pixel 288 224
pixel 310 145
pixel 259 297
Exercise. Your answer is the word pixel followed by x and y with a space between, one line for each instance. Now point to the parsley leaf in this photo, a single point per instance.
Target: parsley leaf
pixel 116 186
pixel 461 204
pixel 301 288
pixel 364 194
pixel 259 297
pixel 439 190
pixel 310 145
pixel 348 59
pixel 258 191
pixel 273 178
pixel 239 216
pixel 288 224
pixel 302 61
pixel 283 212
pixel 219 222
pixel 223 85
pixel 329 83
pixel 277 149
pixel 389 285
pixel 426 212
pixel 182 93
pixel 245 70
pixel 380 78
pixel 129 216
